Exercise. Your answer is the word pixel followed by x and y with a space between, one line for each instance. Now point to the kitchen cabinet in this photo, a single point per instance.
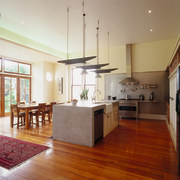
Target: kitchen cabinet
pixel 111 119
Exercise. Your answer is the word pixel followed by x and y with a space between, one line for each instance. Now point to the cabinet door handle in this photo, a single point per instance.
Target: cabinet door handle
pixel 171 98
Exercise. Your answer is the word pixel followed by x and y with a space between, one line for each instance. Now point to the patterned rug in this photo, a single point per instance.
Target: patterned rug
pixel 14 151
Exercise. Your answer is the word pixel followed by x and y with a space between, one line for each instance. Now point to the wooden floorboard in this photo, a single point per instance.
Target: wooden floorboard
pixel 134 150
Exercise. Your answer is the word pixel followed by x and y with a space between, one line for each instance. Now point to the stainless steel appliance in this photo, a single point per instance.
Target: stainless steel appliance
pixel 128 108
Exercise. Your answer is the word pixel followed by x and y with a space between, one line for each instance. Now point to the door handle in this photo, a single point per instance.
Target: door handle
pixel 171 98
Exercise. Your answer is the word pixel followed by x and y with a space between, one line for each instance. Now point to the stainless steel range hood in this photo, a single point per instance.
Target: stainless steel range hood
pixel 128 80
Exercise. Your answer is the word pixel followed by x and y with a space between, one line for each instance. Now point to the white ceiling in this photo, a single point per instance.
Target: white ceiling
pixel 127 20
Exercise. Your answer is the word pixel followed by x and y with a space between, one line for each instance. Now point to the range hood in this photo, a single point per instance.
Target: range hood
pixel 128 80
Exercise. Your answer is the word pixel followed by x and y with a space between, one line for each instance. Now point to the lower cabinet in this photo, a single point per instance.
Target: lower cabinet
pixel 111 120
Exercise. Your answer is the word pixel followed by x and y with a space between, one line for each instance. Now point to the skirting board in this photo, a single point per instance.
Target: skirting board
pixel 172 134
pixel 153 116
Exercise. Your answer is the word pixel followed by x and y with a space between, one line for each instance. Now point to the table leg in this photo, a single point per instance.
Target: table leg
pixel 11 118
pixel 27 118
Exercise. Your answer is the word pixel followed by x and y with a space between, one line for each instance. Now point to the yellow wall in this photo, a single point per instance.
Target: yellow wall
pixel 152 56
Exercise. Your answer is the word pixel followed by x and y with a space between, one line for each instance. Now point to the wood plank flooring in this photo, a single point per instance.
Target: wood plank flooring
pixel 141 150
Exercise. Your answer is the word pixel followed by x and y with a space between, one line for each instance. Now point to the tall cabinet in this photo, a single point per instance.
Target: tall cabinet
pixel 173 65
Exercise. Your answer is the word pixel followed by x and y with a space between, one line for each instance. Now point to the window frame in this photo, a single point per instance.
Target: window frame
pixel 18 62
pixel 83 83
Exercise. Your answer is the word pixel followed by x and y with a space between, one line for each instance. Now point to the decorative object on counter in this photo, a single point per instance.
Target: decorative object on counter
pixel 74 102
pixel 109 97
pixel 141 97
pixel 60 85
pixel 103 70
pixel 114 97
pixel 151 96
pixel 84 94
pixel 76 60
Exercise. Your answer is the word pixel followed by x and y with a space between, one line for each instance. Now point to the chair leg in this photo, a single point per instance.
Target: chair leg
pixel 17 122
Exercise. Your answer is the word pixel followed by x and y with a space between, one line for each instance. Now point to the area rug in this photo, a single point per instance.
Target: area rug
pixel 14 151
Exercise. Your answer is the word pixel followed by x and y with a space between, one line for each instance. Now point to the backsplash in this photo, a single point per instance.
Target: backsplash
pixel 156 82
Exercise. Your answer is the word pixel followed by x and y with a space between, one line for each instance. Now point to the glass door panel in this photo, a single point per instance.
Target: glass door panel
pixel 25 89
pixel 10 92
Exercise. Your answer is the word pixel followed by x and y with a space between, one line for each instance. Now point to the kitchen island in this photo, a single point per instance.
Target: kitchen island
pixel 80 124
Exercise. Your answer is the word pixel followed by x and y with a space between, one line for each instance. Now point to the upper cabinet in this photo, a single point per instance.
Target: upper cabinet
pixel 175 60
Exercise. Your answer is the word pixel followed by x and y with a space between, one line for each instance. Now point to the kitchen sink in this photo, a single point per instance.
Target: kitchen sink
pixel 109 105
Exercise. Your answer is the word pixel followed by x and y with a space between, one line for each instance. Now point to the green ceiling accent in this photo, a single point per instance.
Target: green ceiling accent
pixel 11 36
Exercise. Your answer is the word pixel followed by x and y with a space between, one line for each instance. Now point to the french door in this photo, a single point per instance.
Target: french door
pixel 10 93
pixel 13 89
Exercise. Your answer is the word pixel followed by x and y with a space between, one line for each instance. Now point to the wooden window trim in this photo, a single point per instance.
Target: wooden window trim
pixel 18 62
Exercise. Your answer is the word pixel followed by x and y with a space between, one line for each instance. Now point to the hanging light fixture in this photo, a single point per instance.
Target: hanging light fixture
pixel 76 60
pixel 109 69
pixel 98 75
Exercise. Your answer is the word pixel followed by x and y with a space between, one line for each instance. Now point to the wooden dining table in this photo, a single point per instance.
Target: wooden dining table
pixel 26 108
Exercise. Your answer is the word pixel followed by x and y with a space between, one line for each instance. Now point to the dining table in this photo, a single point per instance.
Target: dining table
pixel 26 108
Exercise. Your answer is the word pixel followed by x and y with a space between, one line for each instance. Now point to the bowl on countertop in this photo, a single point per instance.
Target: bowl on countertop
pixel 74 102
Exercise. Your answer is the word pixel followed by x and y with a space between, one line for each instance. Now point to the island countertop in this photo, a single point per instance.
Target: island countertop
pixel 75 123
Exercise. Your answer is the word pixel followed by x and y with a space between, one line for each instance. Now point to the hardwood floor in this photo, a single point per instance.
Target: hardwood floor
pixel 141 150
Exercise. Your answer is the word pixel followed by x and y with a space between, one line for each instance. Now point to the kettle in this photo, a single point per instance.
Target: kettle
pixel 151 96
pixel 141 97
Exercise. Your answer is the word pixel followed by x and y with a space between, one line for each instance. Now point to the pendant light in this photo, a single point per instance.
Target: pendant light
pixel 91 66
pixel 109 69
pixel 76 60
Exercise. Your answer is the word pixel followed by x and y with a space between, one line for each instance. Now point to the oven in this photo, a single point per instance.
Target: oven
pixel 128 109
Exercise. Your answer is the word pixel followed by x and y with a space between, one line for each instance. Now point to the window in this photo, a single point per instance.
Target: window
pixel 10 92
pixel 17 67
pixel 10 66
pixel 24 68
pixel 15 84
pixel 25 89
pixel 80 82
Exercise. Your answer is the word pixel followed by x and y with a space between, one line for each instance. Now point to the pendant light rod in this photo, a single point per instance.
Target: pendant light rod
pixel 84 30
pixel 67 33
pixel 76 60
pixel 97 43
pixel 108 49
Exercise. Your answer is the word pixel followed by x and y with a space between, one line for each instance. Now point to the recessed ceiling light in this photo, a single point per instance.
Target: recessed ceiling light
pixel 151 30
pixel 149 11
pixel 22 22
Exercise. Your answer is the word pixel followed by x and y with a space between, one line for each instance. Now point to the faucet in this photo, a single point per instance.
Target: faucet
pixel 94 97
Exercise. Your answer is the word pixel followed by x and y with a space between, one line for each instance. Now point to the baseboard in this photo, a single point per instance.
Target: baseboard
pixel 153 116
pixel 172 134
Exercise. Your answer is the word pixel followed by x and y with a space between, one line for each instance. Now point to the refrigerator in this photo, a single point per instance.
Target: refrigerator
pixel 178 115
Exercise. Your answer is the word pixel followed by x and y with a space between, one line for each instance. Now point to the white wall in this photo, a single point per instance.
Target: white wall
pixel 42 91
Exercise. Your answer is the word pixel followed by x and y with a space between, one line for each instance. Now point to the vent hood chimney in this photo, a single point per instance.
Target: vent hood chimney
pixel 128 80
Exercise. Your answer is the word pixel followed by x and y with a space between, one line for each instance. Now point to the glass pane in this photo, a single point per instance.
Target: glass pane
pixel 76 91
pixel 77 77
pixel 25 90
pixel 10 92
pixel 90 78
pixel 11 66
pixel 24 68
pixel 90 92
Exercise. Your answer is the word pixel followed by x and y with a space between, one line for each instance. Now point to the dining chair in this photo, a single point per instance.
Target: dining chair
pixel 51 109
pixel 40 112
pixel 48 110
pixel 18 115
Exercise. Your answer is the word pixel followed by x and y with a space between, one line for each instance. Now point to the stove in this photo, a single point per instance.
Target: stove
pixel 128 108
